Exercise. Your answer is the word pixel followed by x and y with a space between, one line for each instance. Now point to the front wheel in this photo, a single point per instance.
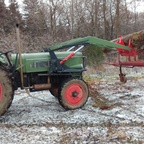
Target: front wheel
pixel 73 94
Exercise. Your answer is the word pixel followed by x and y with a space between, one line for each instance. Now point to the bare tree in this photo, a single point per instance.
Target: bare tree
pixel 34 17
pixel 117 18
pixel 3 17
pixel 104 19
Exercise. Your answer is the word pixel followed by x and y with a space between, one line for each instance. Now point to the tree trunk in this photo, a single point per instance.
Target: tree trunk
pixel 104 18
pixel 117 17
pixel 137 39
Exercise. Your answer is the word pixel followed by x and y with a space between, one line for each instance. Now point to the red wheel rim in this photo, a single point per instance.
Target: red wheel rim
pixel 1 92
pixel 74 94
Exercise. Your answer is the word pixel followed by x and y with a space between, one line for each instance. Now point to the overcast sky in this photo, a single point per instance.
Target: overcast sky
pixel 140 6
pixel 19 2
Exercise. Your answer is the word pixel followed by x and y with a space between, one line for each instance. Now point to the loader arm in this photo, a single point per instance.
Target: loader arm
pixel 89 40
pixel 58 65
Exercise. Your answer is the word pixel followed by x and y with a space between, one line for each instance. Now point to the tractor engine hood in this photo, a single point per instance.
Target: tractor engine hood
pixel 40 62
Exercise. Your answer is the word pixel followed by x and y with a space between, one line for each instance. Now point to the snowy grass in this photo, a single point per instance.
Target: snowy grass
pixel 39 119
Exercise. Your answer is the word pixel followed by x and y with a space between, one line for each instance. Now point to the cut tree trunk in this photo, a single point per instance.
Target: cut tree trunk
pixel 137 39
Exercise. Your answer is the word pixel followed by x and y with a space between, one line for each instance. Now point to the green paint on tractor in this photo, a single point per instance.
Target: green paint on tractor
pixel 90 40
pixel 40 62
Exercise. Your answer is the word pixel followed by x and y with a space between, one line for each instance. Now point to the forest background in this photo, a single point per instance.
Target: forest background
pixel 44 23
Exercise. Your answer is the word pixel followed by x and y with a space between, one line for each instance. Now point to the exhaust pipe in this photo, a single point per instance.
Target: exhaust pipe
pixel 43 86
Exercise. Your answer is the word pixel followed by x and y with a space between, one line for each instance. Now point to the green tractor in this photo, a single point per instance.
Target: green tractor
pixel 58 72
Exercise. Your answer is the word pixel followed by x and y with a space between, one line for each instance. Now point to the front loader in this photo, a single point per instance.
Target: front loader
pixel 60 72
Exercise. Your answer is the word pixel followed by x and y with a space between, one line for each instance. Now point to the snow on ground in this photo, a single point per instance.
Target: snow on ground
pixel 39 119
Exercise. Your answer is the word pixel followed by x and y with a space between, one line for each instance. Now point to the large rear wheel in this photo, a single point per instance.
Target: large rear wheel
pixel 73 94
pixel 6 92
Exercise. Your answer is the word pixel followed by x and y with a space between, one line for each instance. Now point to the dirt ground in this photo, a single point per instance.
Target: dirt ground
pixel 39 119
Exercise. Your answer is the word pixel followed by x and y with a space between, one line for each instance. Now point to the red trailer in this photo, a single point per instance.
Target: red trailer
pixel 127 58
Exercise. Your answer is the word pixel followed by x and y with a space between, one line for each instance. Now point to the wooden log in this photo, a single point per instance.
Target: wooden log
pixel 137 39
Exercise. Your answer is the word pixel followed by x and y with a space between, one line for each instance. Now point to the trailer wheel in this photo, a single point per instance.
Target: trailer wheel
pixel 123 78
pixel 73 94
pixel 6 92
